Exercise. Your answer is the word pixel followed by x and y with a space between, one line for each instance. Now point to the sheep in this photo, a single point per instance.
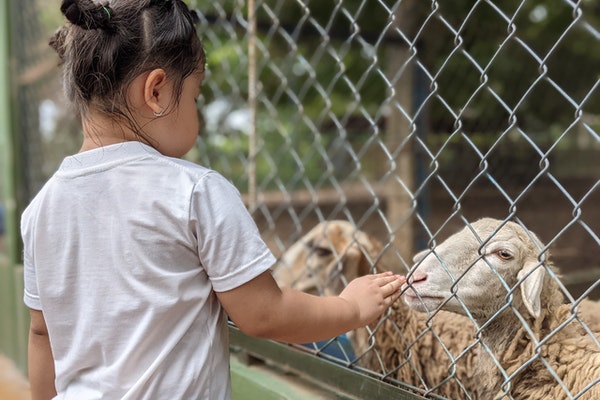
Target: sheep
pixel 13 385
pixel 325 259
pixel 500 274
pixel 429 354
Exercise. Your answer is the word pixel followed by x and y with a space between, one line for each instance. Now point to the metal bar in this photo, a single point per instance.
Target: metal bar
pixel 8 318
pixel 7 160
pixel 400 126
pixel 252 104
pixel 342 379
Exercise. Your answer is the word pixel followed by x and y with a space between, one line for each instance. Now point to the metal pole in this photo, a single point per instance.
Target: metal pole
pixel 9 342
pixel 252 103
pixel 400 127
pixel 7 159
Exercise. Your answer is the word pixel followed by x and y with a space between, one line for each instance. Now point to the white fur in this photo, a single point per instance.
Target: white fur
pixel 539 348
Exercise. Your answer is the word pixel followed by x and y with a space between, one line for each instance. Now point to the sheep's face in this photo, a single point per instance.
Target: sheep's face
pixel 476 270
pixel 326 259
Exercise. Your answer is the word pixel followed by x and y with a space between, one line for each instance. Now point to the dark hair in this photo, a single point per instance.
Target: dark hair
pixel 104 47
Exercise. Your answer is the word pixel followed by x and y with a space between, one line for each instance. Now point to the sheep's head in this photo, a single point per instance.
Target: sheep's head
pixel 477 268
pixel 325 259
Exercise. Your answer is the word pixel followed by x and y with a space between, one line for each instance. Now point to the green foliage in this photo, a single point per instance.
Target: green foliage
pixel 486 67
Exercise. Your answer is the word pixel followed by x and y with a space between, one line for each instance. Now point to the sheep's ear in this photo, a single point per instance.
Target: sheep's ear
pixel 364 266
pixel 531 288
pixel 369 248
pixel 352 262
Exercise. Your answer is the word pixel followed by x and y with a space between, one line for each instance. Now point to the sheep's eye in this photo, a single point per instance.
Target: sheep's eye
pixel 504 254
pixel 322 251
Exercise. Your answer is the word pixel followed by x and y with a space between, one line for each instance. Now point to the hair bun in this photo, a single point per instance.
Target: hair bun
pixel 86 14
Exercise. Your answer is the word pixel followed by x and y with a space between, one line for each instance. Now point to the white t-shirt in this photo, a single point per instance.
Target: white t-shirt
pixel 123 248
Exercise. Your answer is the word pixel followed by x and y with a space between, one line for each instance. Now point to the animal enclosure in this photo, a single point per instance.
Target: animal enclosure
pixel 409 119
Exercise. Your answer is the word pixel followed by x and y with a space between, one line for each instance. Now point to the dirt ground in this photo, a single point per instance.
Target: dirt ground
pixel 566 216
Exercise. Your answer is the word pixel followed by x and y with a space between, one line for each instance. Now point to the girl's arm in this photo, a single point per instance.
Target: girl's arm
pixel 41 362
pixel 261 308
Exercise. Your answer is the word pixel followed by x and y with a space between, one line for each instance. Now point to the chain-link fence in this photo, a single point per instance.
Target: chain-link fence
pixel 405 118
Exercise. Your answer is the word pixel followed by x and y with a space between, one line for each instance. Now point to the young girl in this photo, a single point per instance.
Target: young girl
pixel 133 257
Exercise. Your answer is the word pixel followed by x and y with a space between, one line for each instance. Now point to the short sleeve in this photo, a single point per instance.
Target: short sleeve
pixel 230 247
pixel 30 296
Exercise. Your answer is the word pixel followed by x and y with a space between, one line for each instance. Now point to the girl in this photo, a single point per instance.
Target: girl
pixel 134 257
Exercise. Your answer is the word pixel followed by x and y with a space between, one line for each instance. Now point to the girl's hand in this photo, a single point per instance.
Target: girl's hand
pixel 371 295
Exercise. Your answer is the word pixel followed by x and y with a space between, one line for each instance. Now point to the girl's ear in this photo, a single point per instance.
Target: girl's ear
pixel 156 93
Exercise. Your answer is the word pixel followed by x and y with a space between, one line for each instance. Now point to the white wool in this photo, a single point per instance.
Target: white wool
pixel 500 274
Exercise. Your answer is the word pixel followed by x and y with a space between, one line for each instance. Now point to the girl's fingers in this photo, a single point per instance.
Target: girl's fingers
pixel 390 284
pixel 388 277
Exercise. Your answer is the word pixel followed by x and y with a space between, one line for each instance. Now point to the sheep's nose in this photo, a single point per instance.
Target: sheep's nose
pixel 417 276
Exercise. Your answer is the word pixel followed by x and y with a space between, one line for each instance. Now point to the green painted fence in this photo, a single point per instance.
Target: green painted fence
pixel 13 318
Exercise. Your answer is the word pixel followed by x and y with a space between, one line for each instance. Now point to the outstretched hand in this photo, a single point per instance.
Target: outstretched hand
pixel 371 295
pixel 290 315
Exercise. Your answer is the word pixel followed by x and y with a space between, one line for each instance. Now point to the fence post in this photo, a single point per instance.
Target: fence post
pixel 400 125
pixel 7 153
pixel 252 104
pixel 8 296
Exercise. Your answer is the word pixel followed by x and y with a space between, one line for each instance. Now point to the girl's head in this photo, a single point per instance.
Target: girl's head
pixel 107 48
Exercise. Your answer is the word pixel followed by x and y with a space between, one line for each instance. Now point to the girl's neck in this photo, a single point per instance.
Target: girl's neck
pixel 95 143
pixel 100 131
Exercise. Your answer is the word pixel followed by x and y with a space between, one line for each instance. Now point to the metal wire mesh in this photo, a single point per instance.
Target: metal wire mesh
pixel 409 119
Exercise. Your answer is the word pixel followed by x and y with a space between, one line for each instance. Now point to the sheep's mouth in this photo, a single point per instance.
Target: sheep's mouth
pixel 419 296
pixel 416 297
pixel 420 302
